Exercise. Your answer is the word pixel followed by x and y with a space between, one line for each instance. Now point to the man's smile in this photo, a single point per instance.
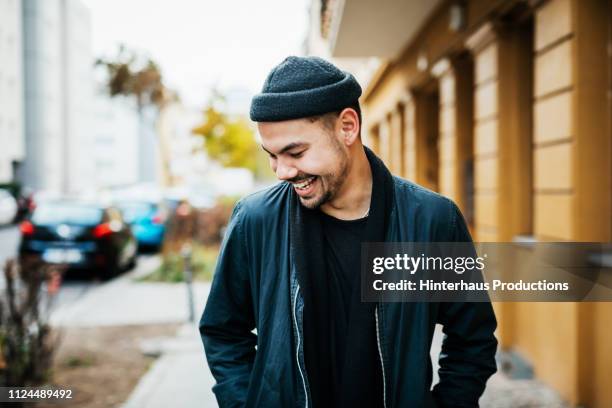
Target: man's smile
pixel 304 183
pixel 305 186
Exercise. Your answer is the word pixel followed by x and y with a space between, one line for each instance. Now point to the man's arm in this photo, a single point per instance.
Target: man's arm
pixel 467 358
pixel 228 319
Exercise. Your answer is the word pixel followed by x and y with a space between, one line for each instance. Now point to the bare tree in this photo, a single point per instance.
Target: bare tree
pixel 131 74
pixel 26 341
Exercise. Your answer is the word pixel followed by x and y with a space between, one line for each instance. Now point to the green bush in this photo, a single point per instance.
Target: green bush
pixel 203 260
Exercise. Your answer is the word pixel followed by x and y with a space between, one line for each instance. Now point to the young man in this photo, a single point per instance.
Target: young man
pixel 289 269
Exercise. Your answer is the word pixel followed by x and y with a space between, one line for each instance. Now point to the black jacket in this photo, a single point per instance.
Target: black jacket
pixel 252 326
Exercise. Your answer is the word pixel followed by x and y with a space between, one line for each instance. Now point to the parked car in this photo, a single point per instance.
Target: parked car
pixel 83 236
pixel 8 207
pixel 148 222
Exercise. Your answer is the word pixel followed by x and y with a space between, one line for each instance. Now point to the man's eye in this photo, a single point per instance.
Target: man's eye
pixel 296 155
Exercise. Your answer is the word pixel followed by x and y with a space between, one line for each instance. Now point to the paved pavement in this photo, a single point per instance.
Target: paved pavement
pixel 124 301
pixel 179 378
pixel 503 392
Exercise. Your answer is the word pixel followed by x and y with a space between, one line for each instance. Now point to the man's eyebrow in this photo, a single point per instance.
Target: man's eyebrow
pixel 286 148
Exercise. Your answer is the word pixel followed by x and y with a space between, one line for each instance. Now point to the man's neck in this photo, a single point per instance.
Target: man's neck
pixel 353 199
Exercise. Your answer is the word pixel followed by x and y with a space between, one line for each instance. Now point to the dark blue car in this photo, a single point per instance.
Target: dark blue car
pixel 148 222
pixel 85 236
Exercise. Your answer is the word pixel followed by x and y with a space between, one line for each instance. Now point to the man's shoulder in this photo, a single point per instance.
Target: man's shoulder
pixel 264 203
pixel 426 209
pixel 410 193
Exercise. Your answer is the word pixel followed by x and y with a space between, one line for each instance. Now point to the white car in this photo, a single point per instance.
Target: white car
pixel 8 207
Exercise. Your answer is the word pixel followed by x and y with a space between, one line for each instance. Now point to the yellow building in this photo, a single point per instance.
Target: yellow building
pixel 505 107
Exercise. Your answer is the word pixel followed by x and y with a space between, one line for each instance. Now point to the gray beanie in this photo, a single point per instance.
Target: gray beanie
pixel 300 87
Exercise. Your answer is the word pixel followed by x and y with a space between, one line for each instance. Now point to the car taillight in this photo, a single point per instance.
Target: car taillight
pixel 158 219
pixel 102 230
pixel 26 228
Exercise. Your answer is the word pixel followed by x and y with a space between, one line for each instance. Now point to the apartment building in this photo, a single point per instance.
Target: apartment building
pixel 11 90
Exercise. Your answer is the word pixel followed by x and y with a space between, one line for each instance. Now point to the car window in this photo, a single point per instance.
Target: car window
pixel 62 213
pixel 135 210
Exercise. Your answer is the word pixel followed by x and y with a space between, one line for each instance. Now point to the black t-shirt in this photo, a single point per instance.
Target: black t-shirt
pixel 342 252
pixel 342 261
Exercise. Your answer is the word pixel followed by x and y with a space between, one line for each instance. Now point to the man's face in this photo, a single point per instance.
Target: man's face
pixel 309 155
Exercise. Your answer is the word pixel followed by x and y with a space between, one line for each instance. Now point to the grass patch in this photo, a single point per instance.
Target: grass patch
pixel 203 260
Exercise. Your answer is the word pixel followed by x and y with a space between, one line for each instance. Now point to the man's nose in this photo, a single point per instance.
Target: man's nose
pixel 284 172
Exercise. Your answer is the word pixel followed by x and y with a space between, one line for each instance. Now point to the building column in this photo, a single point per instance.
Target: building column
pixel 384 137
pixel 396 125
pixel 372 139
pixel 502 132
pixel 409 156
pixel 426 122
pixel 456 126
pixel 502 145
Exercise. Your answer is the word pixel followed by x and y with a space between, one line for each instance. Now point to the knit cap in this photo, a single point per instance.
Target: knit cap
pixel 300 87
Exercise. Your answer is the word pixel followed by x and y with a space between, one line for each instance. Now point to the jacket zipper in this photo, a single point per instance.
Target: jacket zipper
pixel 297 356
pixel 382 363
pixel 297 351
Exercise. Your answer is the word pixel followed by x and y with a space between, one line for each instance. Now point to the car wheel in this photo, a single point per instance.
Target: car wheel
pixel 133 262
pixel 110 271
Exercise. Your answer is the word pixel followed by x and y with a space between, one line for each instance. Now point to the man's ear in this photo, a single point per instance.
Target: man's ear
pixel 349 126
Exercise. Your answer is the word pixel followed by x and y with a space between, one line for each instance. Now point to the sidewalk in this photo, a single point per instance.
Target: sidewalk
pixel 503 392
pixel 124 301
pixel 179 378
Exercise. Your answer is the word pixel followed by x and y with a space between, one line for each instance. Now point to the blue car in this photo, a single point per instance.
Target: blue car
pixel 148 222
pixel 84 236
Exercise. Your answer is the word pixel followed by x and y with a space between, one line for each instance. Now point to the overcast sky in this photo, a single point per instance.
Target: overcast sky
pixel 199 43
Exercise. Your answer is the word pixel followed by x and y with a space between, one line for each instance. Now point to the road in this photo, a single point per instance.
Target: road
pixel 71 290
pixel 85 301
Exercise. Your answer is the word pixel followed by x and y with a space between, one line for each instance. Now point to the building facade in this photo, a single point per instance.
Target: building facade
pixel 12 137
pixel 78 86
pixel 58 83
pixel 115 139
pixel 505 107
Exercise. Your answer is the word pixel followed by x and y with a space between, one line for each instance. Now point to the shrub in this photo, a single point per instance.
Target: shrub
pixel 203 260
pixel 26 341
pixel 202 230
pixel 211 223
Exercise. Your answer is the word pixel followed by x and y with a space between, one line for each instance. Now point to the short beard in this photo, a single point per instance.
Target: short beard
pixel 338 178
pixel 322 200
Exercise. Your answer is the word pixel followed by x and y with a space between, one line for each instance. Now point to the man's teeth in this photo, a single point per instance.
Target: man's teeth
pixel 304 184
